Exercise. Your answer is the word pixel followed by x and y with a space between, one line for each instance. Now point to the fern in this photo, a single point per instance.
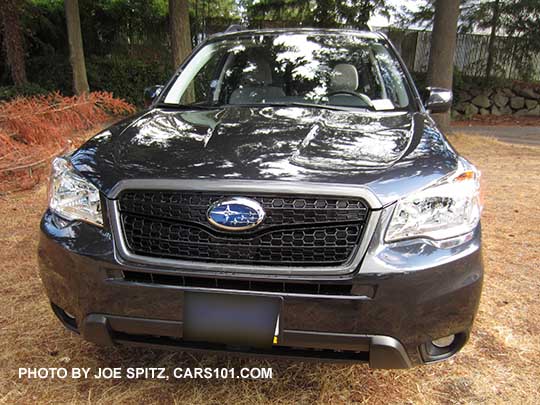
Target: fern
pixel 35 129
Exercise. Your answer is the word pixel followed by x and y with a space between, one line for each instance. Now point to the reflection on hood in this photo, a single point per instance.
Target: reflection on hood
pixel 266 143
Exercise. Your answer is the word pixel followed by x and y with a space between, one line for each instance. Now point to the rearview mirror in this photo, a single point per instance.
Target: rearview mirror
pixel 150 94
pixel 439 100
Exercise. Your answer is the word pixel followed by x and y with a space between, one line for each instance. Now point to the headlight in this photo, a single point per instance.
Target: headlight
pixel 71 196
pixel 447 209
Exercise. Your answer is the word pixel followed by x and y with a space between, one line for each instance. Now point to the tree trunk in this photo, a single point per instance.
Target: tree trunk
pixel 13 40
pixel 180 32
pixel 76 51
pixel 492 38
pixel 443 46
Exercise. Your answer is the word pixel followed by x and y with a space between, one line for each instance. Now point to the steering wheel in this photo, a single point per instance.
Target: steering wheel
pixel 361 96
pixel 348 92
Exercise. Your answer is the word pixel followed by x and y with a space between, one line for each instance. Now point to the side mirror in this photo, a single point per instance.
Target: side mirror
pixel 439 100
pixel 150 94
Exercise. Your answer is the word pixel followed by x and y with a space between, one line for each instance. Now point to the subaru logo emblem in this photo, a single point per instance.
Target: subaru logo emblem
pixel 235 214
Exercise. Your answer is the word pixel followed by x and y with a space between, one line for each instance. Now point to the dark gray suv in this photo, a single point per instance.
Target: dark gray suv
pixel 286 193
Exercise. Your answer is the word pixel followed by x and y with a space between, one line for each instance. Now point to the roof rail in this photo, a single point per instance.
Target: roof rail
pixel 234 28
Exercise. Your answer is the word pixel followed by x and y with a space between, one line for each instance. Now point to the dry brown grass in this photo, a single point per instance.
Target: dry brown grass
pixel 501 364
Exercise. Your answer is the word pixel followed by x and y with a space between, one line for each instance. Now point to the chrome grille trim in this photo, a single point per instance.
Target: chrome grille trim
pixel 238 186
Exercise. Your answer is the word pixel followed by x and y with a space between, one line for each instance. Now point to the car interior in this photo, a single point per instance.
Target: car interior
pixel 363 77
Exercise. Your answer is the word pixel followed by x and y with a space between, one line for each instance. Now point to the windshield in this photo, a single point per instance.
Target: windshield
pixel 287 69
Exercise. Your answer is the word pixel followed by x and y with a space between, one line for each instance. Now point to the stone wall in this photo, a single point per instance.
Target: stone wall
pixel 517 100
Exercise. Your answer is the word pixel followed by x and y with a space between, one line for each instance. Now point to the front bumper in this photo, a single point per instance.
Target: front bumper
pixel 402 297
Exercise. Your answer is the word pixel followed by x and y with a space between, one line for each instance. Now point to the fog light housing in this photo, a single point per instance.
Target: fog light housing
pixel 65 317
pixel 443 347
pixel 443 342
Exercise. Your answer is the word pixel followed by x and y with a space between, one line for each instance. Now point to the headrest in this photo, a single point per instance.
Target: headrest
pixel 258 73
pixel 344 76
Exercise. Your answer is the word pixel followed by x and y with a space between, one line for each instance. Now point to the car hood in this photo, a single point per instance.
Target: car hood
pixel 391 153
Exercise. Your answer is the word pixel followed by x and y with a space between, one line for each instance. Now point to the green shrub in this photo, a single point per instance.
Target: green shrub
pixel 29 89
pixel 52 72
pixel 126 78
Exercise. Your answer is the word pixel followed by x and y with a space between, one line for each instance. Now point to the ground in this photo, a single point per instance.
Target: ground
pixel 520 134
pixel 501 363
pixel 499 120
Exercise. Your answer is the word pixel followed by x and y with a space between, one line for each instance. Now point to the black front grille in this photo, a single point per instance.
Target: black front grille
pixel 297 231
pixel 249 285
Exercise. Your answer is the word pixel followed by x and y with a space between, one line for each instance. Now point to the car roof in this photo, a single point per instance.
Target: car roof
pixel 299 30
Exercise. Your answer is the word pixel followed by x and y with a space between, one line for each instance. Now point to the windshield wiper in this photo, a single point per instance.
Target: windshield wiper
pixel 189 106
pixel 300 104
pixel 262 105
pixel 328 106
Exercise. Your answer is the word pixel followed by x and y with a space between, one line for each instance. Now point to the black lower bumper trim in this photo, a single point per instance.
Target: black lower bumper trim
pixel 379 351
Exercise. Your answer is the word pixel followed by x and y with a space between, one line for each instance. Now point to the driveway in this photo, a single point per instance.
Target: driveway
pixel 525 135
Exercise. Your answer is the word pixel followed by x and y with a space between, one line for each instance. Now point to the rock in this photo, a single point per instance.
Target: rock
pixel 530 104
pixel 482 101
pixel 460 107
pixel 470 109
pixel 475 91
pixel 463 96
pixel 527 93
pixel 484 111
pixel 495 111
pixel 456 115
pixel 535 112
pixel 500 99
pixel 517 102
pixel 522 113
pixel 507 92
pixel 506 110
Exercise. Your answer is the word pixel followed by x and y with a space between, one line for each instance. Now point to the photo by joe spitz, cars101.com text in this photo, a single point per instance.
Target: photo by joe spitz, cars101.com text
pixel 286 193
